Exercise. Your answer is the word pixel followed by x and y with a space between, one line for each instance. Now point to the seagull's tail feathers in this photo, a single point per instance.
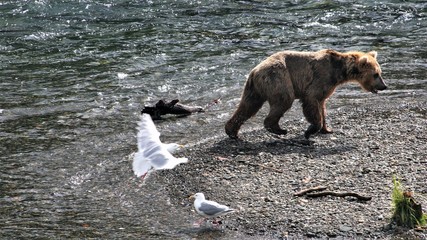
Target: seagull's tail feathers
pixel 230 210
pixel 225 211
pixel 173 163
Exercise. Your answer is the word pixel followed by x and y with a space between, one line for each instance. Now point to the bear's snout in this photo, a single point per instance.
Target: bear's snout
pixel 383 87
pixel 379 85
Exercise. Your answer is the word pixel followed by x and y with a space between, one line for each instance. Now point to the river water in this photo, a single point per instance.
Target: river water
pixel 74 76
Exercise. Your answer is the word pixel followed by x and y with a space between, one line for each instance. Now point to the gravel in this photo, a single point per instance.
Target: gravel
pixel 375 139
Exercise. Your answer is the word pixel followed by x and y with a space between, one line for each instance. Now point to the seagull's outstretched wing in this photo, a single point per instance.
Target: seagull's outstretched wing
pixel 152 152
pixel 141 165
pixel 147 132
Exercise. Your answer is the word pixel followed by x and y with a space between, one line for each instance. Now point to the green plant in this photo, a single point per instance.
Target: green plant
pixel 406 212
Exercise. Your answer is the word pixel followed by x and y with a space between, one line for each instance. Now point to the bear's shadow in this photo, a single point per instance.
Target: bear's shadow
pixel 279 146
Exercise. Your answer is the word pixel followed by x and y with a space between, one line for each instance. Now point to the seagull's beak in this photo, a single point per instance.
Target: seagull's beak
pixel 191 197
pixel 181 146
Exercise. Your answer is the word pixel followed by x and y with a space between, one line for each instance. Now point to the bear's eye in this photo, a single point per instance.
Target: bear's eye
pixel 376 75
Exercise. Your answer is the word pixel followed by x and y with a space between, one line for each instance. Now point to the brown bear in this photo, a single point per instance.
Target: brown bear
pixel 309 76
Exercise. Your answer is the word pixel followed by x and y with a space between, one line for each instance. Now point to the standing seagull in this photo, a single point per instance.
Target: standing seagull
pixel 209 209
pixel 153 154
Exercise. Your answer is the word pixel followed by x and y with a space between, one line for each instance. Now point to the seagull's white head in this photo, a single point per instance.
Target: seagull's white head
pixel 199 196
pixel 173 147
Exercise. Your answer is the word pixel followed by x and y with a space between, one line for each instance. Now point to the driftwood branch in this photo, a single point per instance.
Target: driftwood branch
pixel 173 107
pixel 309 190
pixel 308 193
pixel 339 194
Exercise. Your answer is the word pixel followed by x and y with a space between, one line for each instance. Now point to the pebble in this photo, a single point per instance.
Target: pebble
pixel 344 228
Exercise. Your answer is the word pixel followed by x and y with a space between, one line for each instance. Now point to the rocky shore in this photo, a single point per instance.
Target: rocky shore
pixel 376 137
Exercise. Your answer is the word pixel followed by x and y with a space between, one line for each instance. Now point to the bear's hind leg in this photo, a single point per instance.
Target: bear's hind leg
pixel 248 107
pixel 277 109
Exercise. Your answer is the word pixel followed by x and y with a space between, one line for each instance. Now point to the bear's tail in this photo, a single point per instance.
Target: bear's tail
pixel 249 85
pixel 251 93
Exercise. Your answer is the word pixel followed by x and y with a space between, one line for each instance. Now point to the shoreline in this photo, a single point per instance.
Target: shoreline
pixel 259 173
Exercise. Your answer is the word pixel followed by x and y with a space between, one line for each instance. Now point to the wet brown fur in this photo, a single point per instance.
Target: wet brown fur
pixel 311 77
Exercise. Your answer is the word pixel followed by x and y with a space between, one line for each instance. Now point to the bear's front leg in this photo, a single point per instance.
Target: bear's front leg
pixel 325 129
pixel 313 113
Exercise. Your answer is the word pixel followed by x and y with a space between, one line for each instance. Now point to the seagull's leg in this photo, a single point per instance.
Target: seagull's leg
pixel 143 176
pixel 197 223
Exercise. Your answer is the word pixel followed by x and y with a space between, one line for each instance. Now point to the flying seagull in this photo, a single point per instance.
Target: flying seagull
pixel 209 209
pixel 153 154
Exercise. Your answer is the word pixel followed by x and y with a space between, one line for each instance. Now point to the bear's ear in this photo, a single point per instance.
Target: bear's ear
pixel 363 60
pixel 373 54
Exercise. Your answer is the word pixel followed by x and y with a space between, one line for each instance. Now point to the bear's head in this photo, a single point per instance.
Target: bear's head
pixel 367 72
